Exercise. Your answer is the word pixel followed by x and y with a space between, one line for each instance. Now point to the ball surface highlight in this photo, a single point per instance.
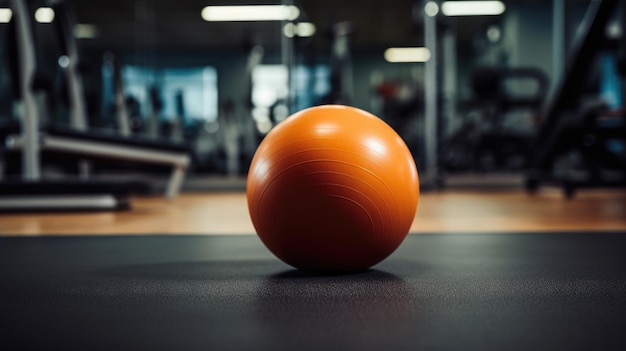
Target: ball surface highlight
pixel 332 188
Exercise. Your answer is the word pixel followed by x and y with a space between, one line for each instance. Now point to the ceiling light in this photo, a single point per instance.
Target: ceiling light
pixel 431 9
pixel 416 54
pixel 472 8
pixel 64 61
pixel 614 30
pixel 250 13
pixel 289 30
pixel 302 29
pixel 85 31
pixel 44 15
pixel 5 15
pixel 305 29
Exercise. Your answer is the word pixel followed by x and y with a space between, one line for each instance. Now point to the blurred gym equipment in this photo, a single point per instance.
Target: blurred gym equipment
pixel 581 142
pixel 341 77
pixel 32 192
pixel 485 143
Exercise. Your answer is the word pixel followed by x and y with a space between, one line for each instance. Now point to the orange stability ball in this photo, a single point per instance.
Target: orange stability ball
pixel 332 188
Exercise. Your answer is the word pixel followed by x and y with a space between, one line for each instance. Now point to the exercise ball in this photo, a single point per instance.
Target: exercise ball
pixel 332 188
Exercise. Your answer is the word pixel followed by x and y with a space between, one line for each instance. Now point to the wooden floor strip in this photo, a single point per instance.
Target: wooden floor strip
pixel 218 213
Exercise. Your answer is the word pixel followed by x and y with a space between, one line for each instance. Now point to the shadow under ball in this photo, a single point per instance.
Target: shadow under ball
pixel 332 188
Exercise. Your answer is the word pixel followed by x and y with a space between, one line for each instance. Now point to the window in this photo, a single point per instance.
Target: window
pixel 196 86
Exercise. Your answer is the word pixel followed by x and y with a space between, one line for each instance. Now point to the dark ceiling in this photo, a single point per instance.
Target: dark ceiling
pixel 177 25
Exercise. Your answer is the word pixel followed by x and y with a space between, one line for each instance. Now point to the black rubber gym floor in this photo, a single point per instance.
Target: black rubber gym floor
pixel 563 291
